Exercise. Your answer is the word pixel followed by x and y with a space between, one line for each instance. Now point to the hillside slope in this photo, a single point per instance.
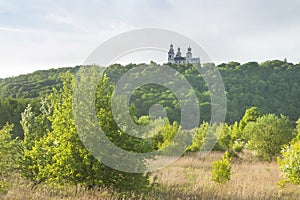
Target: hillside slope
pixel 34 84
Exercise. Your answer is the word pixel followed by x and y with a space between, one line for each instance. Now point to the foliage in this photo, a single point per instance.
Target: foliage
pixel 268 134
pixel 171 139
pixel 35 128
pixel 247 85
pixel 54 153
pixel 168 132
pixel 36 84
pixel 224 136
pixel 111 177
pixel 17 92
pixel 199 137
pixel 271 85
pixel 298 130
pixel 9 152
pixel 237 146
pixel 11 110
pixel 289 161
pixel 228 138
pixel 289 164
pixel 221 169
pixel 250 115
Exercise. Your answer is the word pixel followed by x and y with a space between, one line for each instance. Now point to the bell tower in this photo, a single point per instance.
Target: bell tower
pixel 189 55
pixel 171 54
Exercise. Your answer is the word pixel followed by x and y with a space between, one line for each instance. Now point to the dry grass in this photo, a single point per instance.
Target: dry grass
pixel 187 178
pixel 249 179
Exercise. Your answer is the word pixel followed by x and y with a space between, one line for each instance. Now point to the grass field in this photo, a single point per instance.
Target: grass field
pixel 187 178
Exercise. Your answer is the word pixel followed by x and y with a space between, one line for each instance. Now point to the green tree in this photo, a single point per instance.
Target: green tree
pixel 58 156
pixel 267 134
pixel 35 128
pixel 111 177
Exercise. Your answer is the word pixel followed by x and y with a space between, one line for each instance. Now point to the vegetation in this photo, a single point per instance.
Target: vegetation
pixel 36 84
pixel 267 134
pixel 41 146
pixel 289 163
pixel 221 169
pixel 8 154
pixel 272 86
pixel 11 110
pixel 54 153
pixel 188 178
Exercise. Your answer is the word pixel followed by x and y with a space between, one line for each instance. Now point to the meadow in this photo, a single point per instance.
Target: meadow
pixel 187 178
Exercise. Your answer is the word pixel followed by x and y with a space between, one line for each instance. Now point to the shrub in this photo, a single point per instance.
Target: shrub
pixel 289 164
pixel 267 135
pixel 8 154
pixel 221 170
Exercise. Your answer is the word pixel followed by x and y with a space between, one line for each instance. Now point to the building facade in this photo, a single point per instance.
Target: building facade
pixel 178 59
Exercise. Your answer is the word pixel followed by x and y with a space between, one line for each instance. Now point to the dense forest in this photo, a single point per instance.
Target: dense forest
pixel 273 86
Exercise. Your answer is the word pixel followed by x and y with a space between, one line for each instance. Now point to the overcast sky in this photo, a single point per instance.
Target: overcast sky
pixel 43 34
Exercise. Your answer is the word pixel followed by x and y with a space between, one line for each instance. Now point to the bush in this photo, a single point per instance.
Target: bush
pixel 8 154
pixel 238 146
pixel 267 135
pixel 221 170
pixel 289 164
pixel 199 137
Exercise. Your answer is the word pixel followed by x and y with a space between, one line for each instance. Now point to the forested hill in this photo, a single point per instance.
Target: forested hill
pixel 33 85
pixel 273 86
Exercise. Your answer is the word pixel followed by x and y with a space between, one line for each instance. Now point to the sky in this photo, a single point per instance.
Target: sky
pixel 44 34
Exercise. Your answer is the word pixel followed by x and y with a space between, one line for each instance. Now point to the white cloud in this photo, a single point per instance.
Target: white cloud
pixel 59 18
pixel 41 34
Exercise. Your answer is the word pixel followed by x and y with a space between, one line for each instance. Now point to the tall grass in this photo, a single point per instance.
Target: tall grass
pixel 187 178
